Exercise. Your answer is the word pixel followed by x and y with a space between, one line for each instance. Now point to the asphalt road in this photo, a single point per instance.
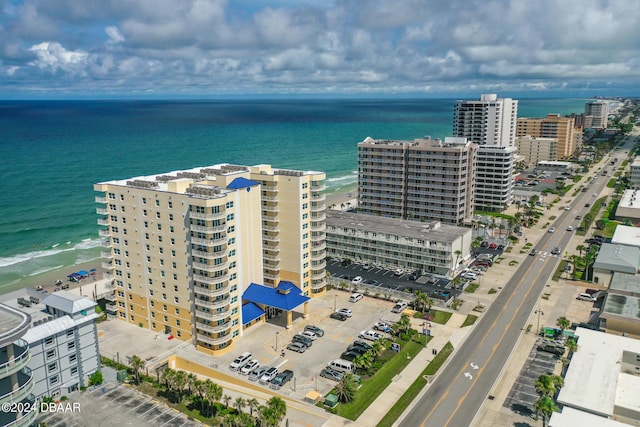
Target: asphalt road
pixel 460 389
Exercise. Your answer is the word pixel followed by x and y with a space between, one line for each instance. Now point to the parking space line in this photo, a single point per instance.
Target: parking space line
pixel 136 407
pixel 176 416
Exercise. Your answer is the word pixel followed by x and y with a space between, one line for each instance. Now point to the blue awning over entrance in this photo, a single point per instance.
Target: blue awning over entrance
pixel 285 296
pixel 250 312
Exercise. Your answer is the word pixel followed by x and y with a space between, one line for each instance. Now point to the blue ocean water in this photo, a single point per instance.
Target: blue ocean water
pixel 51 152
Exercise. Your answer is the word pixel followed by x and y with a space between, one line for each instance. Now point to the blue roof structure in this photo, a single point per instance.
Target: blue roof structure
pixel 250 312
pixel 285 296
pixel 241 182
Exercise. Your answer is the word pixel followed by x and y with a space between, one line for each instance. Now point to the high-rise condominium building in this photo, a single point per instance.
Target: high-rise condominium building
pixel 553 126
pixel 424 179
pixel 184 245
pixel 490 123
pixel 596 114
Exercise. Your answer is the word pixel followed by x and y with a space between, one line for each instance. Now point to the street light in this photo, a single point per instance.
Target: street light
pixel 539 313
pixel 335 302
pixel 277 333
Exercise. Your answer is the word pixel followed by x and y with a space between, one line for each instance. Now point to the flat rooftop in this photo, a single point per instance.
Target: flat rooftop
pixel 626 235
pixel 570 417
pixel 13 324
pixel 630 200
pixel 625 306
pixel 594 382
pixel 432 231
pixel 625 283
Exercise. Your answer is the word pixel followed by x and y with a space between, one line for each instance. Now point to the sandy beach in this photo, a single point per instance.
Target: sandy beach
pixel 339 200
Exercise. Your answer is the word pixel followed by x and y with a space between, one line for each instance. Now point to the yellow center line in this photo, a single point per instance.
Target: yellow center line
pixel 464 367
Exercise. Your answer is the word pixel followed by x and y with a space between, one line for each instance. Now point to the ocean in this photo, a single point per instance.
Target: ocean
pixel 52 152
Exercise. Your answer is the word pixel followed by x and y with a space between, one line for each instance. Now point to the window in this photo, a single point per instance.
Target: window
pixel 112 196
pixel 177 322
pixel 170 205
pixel 153 325
pixel 164 297
pixel 179 333
pixel 48 341
pixel 144 200
pixel 69 332
pixel 159 226
pixel 170 217
pixel 166 319
pixel 52 367
pixel 72 358
pixel 51 354
pixel 176 299
pixel 71 345
pixel 74 370
pixel 158 205
pixel 177 311
pixel 54 380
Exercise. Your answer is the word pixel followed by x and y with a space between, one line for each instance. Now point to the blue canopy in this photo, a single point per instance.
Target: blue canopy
pixel 285 296
pixel 250 312
pixel 83 273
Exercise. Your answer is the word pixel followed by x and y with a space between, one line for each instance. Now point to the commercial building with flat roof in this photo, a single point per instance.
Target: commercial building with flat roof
pixel 183 246
pixel 553 126
pixel 629 206
pixel 615 258
pixel 431 247
pixel 62 339
pixel 424 179
pixel 602 378
pixel 626 235
pixel 16 379
pixel 535 150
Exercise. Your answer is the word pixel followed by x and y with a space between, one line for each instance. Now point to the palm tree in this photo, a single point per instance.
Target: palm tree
pixel 580 248
pixel 240 403
pixel 227 400
pixel 545 406
pixel 545 386
pixel 458 253
pixel 267 417
pixel 364 361
pixel 278 406
pixel 563 323
pixel 346 388
pixel 180 382
pixel 212 392
pixel 137 364
pixel 572 345
pixel 420 299
pixel 190 383
pixel 403 324
pixel 378 347
pixel 253 405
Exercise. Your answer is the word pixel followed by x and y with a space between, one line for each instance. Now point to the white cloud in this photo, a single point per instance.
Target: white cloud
pixel 114 35
pixel 53 55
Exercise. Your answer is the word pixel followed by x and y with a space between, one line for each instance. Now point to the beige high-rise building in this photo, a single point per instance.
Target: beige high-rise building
pixel 553 126
pixel 424 179
pixel 536 150
pixel 596 114
pixel 183 246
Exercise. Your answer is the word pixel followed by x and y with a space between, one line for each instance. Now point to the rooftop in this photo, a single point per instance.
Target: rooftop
pixel 432 231
pixel 570 417
pixel 13 324
pixel 625 283
pixel 618 258
pixel 594 381
pixel 630 200
pixel 625 306
pixel 286 296
pixel 626 235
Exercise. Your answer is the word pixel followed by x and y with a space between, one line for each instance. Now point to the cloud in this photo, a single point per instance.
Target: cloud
pixel 204 47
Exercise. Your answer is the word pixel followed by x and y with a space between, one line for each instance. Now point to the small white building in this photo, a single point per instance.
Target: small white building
pixel 62 339
pixel 629 206
pixel 615 258
pixel 626 235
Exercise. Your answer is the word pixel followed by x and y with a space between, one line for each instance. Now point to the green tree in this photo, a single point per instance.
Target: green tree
pixel 403 324
pixel 212 392
pixel 137 364
pixel 253 405
pixel 563 323
pixel 240 404
pixel 580 248
pixel 346 388
pixel 279 407
pixel 96 378
pixel 227 400
pixel 364 361
pixel 545 406
pixel 545 386
pixel 572 345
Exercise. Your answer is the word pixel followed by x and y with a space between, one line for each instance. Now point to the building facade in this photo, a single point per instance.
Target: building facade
pixel 491 123
pixel 424 179
pixel 16 379
pixel 561 129
pixel 431 247
pixel 536 150
pixel 596 114
pixel 634 172
pixel 183 246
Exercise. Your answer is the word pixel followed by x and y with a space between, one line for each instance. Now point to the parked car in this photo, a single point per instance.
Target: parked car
pixel 357 280
pixel 268 375
pixel 282 378
pixel 366 267
pixel 501 247
pixel 578 217
pixel 370 335
pixel 371 282
pixel 356 297
pixel 331 374
pixel 399 307
pixel 587 205
pixel 357 349
pixel 304 340
pixel 319 332
pixel 360 343
pixel 469 276
pixel 349 355
pixel 249 367
pixel 398 272
pixel 484 244
pixel 493 246
pixel 345 311
pixel 381 326
pixel 415 275
pixel 296 346
pixel 309 334
pixel 257 373
pixel 484 264
pixel 346 262
pixel 338 316
pixel 240 361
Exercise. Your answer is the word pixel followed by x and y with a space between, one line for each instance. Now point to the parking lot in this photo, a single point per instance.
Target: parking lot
pixel 117 405
pixel 266 341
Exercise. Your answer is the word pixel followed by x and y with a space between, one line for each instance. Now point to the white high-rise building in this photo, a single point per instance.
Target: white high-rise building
pixel 596 114
pixel 491 123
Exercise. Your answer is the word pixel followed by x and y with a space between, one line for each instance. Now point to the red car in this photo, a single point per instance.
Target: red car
pixel 493 246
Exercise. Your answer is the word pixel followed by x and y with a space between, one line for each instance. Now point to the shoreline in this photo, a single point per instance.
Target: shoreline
pixel 47 280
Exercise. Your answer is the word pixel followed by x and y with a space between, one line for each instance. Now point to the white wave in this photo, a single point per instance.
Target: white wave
pixel 44 270
pixel 55 246
pixel 350 177
pixel 16 259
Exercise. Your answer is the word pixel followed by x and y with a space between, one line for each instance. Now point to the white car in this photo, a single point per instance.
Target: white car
pixel 399 307
pixel 250 366
pixel 469 275
pixel 570 228
pixel 552 230
pixel 345 311
pixel 309 335
pixel 357 280
pixel 240 361
pixel 356 297
pixel 370 335
pixel 268 375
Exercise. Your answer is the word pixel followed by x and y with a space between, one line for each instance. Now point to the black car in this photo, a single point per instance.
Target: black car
pixel 312 328
pixel 501 247
pixel 282 378
pixel 349 355
pixel 357 349
pixel 484 244
pixel 371 282
pixel 361 343
pixel 338 316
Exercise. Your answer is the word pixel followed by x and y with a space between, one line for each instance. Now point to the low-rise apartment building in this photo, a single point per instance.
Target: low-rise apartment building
pixel 431 247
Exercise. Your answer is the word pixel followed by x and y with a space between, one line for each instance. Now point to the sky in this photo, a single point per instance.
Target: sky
pixel 214 48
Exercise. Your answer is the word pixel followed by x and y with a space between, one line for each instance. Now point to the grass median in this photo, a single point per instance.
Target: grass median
pixel 414 389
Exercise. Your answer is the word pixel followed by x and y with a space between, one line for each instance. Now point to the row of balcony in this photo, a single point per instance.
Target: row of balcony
pixel 213 341
pixel 212 304
pixel 211 267
pixel 20 357
pixel 209 280
pixel 207 216
pixel 210 255
pixel 213 329
pixel 208 228
pixel 20 390
pixel 208 242
pixel 102 211
pixel 209 292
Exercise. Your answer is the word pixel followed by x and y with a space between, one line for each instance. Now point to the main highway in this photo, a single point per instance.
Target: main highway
pixel 458 392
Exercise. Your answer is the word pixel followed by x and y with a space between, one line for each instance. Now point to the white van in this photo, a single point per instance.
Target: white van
pixel 586 297
pixel 342 366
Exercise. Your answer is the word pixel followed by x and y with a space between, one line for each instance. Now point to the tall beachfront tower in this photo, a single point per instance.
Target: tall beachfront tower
pixel 423 179
pixel 491 123
pixel 596 114
pixel 553 126
pixel 183 246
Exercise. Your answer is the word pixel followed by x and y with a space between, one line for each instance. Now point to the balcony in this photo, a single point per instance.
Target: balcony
pixel 107 275
pixel 318 227
pixel 105 243
pixel 209 280
pixel 271 228
pixel 213 329
pixel 28 418
pixel 209 255
pixel 270 208
pixel 213 341
pixel 212 304
pixel 19 359
pixel 110 297
pixel 270 276
pixel 107 265
pixel 107 255
pixel 269 257
pixel 210 267
pixel 208 228
pixel 318 216
pixel 208 242
pixel 103 221
pixel 316 187
pixel 270 238
pixel 270 218
pixel 20 390
pixel 212 316
pixel 319 284
pixel 211 293
pixel 104 232
pixel 207 216
pixel 315 207
pixel 101 199
pixel 269 198
pixel 101 211
pixel 318 276
pixel 318 198
pixel 271 188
